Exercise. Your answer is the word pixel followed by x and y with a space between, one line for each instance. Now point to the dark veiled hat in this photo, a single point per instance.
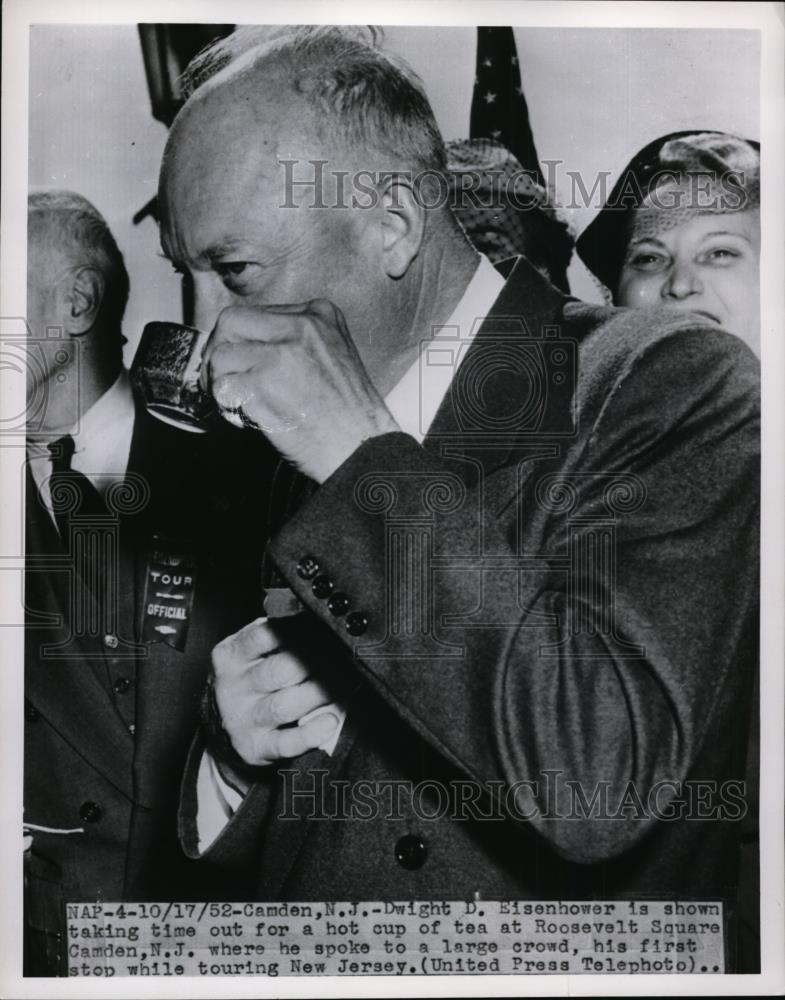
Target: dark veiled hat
pixel 504 210
pixel 724 159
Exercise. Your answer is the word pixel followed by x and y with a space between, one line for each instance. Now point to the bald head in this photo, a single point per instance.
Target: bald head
pixel 360 96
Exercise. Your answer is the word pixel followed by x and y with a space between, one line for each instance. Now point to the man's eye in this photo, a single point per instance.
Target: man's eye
pixel 236 275
pixel 232 268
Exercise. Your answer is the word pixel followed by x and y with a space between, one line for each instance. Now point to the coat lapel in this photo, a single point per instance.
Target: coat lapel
pixel 481 412
pixel 70 692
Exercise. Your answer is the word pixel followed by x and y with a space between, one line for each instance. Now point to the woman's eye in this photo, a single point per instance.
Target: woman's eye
pixel 722 254
pixel 645 260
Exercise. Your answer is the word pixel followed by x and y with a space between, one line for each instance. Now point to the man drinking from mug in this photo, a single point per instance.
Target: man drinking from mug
pixel 522 528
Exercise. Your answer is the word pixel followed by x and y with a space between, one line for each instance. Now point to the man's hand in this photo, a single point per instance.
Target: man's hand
pixel 260 688
pixel 294 373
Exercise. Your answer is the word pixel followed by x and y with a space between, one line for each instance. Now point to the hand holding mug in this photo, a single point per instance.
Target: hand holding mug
pixel 293 372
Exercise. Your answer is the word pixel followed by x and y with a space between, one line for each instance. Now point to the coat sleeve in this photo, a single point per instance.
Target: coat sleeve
pixel 587 620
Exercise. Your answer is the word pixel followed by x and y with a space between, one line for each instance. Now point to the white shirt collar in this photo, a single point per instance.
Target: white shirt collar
pixel 102 439
pixel 105 430
pixel 415 400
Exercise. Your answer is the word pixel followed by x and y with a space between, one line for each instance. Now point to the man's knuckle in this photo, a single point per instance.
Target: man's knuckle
pixel 247 748
pixel 322 306
pixel 227 319
pixel 223 388
pixel 281 672
pixel 277 708
pixel 261 714
pixel 220 353
pixel 220 656
pixel 266 746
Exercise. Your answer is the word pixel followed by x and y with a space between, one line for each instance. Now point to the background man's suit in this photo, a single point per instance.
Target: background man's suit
pixel 641 679
pixel 107 729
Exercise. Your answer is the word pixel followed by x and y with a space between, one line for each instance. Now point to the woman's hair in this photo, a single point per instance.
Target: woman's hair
pixel 682 174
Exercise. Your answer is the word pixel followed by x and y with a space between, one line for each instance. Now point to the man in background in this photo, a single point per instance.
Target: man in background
pixel 141 555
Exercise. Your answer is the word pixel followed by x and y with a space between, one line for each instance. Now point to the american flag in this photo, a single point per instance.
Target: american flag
pixel 499 109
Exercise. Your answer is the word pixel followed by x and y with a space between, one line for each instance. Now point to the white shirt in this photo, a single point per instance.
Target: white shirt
pixel 102 440
pixel 413 402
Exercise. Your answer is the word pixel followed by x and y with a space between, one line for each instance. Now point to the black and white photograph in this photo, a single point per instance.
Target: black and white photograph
pixel 391 434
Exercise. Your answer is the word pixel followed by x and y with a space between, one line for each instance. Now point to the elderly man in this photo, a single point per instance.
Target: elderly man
pixel 121 519
pixel 523 531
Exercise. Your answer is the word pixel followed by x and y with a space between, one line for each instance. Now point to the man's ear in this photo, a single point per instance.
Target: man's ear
pixel 84 300
pixel 403 225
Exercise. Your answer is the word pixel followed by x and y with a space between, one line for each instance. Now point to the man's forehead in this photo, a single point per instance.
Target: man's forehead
pixel 229 207
pixel 255 105
pixel 216 220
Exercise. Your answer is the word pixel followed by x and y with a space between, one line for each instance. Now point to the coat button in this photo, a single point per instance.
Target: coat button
pixel 338 604
pixel 90 812
pixel 31 712
pixel 322 587
pixel 308 567
pixel 121 685
pixel 411 852
pixel 111 641
pixel 356 623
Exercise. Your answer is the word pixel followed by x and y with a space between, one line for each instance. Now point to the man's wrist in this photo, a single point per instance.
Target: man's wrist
pixel 328 462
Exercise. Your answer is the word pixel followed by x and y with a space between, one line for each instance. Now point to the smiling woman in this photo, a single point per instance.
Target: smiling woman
pixel 681 230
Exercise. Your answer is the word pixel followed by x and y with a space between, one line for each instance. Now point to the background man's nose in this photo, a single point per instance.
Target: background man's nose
pixel 682 281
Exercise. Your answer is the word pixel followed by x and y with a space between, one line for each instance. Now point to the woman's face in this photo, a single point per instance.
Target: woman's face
pixel 708 264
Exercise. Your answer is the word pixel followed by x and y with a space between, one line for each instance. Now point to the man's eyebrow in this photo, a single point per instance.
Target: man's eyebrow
pixel 222 248
pixel 216 251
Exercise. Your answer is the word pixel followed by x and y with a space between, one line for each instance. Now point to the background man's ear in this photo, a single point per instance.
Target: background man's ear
pixel 403 225
pixel 84 300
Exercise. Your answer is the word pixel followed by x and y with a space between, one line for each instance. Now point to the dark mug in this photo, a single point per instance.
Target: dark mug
pixel 166 370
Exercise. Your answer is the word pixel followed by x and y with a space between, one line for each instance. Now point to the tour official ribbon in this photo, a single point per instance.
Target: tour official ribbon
pixel 169 594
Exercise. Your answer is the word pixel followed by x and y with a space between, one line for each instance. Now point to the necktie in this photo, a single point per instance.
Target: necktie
pixel 72 493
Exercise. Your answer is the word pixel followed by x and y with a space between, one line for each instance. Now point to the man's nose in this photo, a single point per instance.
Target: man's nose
pixel 208 298
pixel 682 281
